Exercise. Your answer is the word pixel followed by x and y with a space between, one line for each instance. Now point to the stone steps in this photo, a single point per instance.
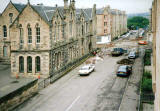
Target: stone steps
pixel 5 61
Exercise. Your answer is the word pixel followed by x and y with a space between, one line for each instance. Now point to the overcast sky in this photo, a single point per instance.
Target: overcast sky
pixel 130 6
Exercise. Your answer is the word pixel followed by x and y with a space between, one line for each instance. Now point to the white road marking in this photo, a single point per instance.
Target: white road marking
pixel 72 103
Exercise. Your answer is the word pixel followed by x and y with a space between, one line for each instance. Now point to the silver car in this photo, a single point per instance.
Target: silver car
pixel 132 55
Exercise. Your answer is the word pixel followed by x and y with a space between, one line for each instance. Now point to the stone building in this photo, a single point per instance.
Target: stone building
pixel 44 39
pixel 155 23
pixel 6 19
pixel 111 23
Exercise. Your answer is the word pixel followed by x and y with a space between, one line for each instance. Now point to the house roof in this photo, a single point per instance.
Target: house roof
pixel 100 11
pixel 47 12
pixel 87 13
pixel 19 7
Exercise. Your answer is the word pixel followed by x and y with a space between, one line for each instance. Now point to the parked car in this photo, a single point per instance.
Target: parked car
pixel 142 42
pixel 135 50
pixel 87 69
pixel 117 52
pixel 132 55
pixel 124 70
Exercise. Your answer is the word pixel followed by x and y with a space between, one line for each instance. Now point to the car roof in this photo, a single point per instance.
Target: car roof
pixel 123 66
pixel 132 52
pixel 86 66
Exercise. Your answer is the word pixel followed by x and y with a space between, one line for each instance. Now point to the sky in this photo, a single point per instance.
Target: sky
pixel 130 6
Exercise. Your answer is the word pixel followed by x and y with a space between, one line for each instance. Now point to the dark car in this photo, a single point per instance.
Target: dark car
pixel 117 51
pixel 124 70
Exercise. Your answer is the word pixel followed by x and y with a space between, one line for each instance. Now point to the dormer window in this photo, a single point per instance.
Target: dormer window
pixel 11 17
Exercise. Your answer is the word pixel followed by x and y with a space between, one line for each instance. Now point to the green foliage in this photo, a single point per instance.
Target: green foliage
pixel 147 74
pixel 147 57
pixel 147 85
pixel 137 21
pixel 147 82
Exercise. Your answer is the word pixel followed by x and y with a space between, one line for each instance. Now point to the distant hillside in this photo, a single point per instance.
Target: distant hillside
pixel 146 15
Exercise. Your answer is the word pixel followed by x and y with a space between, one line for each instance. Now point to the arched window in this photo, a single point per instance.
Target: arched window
pixel 4 31
pixel 21 33
pixel 38 34
pixel 21 64
pixel 38 64
pixel 55 28
pixel 63 31
pixel 56 61
pixel 58 32
pixel 11 17
pixel 82 29
pixel 70 28
pixel 29 64
pixel 29 34
pixel 71 15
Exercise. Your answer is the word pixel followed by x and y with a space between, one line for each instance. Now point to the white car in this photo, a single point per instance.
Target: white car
pixel 86 70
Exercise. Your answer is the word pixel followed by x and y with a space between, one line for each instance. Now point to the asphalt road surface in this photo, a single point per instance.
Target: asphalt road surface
pixel 102 90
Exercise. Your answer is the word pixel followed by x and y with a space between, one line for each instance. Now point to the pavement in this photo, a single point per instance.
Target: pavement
pixel 9 84
pixel 131 98
pixel 148 107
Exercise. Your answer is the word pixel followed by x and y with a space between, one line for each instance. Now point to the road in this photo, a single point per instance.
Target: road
pixel 102 90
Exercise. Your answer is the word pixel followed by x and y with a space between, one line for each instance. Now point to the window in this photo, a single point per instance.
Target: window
pixel 105 23
pixel 29 34
pixel 70 28
pixel 58 33
pixel 71 15
pixel 86 27
pixel 21 34
pixel 82 29
pixel 38 64
pixel 4 31
pixel 38 34
pixel 105 16
pixel 29 64
pixel 21 64
pixel 63 31
pixel 5 51
pixel 11 15
pixel 55 28
pixel 105 31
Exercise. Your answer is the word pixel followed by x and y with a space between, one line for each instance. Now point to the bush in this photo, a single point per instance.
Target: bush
pixel 147 85
pixel 147 75
pixel 147 57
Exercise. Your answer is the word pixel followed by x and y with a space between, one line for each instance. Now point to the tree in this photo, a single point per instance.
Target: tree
pixel 137 22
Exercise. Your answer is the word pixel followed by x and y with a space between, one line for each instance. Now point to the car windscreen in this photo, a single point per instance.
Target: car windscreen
pixel 122 69
pixel 84 68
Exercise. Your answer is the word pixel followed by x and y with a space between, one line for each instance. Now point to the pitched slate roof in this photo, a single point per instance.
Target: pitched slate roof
pixel 113 12
pixel 87 13
pixel 99 11
pixel 46 12
pixel 19 7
